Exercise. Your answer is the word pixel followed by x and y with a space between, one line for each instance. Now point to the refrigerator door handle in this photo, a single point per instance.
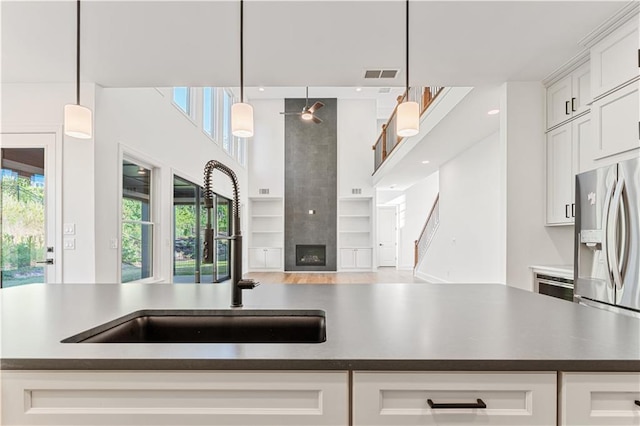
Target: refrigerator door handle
pixel 605 226
pixel 615 246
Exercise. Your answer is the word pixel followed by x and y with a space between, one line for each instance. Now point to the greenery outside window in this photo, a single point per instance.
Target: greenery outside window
pixel 182 99
pixel 137 222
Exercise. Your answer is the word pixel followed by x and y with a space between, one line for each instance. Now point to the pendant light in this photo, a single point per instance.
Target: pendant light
pixel 77 119
pixel 242 113
pixel 408 118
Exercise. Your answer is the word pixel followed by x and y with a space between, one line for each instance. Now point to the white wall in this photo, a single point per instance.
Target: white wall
pixel 145 124
pixel 466 247
pixel 522 140
pixel 266 156
pixel 412 215
pixel 30 108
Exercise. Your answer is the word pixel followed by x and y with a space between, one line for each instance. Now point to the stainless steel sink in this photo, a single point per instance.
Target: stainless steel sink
pixel 223 326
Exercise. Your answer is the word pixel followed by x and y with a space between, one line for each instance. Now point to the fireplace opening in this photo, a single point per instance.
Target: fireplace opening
pixel 311 255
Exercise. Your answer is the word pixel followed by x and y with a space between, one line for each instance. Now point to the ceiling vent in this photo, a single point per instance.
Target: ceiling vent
pixel 384 90
pixel 356 191
pixel 369 74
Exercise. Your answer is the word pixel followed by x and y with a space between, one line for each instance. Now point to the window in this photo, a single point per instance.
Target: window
pixel 227 137
pixel 241 153
pixel 181 97
pixel 209 111
pixel 137 222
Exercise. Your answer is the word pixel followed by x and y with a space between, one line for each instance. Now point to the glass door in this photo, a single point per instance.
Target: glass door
pixel 27 217
pixel 223 247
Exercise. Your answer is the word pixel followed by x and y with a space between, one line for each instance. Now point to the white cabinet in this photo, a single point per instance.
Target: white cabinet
pixel 599 399
pixel 184 398
pixel 565 151
pixel 265 258
pixel 615 122
pixel 266 232
pixel 568 97
pixel 355 230
pixel 356 258
pixel 412 398
pixel 614 60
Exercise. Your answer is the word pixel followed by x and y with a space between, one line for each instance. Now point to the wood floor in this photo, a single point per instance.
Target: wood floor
pixel 381 275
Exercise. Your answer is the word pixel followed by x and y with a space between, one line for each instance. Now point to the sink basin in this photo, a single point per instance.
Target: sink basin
pixel 223 326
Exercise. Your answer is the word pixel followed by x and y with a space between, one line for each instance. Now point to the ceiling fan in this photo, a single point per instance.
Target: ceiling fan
pixel 308 113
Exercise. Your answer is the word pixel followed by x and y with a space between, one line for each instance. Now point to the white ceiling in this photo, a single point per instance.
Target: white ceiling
pixel 293 43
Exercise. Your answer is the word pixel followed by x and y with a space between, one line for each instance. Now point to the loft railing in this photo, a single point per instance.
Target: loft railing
pixel 388 140
pixel 428 231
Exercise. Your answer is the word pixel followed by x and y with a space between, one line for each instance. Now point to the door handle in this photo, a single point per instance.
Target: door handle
pixel 566 108
pixel 573 209
pixel 616 257
pixel 637 402
pixel 573 104
pixel 566 211
pixel 456 405
pixel 605 226
pixel 46 262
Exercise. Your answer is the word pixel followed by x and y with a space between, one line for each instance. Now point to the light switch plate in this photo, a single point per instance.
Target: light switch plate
pixel 113 243
pixel 69 244
pixel 69 229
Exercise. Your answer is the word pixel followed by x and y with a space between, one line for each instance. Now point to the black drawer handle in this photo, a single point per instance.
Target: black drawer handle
pixel 637 402
pixel 454 405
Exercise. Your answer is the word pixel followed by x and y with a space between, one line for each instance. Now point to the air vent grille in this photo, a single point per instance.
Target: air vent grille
pixel 356 191
pixel 384 90
pixel 369 74
pixel 263 191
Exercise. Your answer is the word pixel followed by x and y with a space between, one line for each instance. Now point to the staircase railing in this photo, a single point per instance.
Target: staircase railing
pixel 387 140
pixel 428 231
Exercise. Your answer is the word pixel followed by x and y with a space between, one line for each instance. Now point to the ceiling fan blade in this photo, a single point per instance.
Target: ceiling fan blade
pixel 316 107
pixel 291 113
pixel 316 119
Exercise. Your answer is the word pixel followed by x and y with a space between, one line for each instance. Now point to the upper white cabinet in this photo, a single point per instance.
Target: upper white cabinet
pixel 569 97
pixel 565 147
pixel 599 399
pixel 614 60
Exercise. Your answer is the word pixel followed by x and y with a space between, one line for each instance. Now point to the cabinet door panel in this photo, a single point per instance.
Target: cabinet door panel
pixel 559 176
pixel 402 398
pixel 273 258
pixel 347 258
pixel 364 258
pixel 615 120
pixel 557 97
pixel 599 399
pixel 581 94
pixel 174 398
pixel 256 258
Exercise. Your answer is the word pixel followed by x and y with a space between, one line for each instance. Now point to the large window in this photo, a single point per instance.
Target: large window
pixel 227 137
pixel 189 224
pixel 137 222
pixel 182 99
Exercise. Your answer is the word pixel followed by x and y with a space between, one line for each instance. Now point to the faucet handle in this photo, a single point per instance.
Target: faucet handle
pixel 247 284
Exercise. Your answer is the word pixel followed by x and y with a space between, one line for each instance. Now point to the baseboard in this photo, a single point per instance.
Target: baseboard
pixel 430 278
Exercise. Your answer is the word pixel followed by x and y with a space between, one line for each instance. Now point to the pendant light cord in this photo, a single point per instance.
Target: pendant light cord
pixel 407 52
pixel 241 51
pixel 78 53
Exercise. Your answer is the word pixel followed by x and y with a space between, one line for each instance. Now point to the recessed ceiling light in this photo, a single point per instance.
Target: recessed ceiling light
pixel 493 112
pixel 358 89
pixel 425 162
pixel 261 89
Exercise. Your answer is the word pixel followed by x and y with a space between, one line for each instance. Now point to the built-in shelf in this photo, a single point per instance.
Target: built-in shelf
pixel 355 235
pixel 266 233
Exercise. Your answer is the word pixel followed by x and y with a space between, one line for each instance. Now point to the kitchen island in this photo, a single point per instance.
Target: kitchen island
pixel 384 341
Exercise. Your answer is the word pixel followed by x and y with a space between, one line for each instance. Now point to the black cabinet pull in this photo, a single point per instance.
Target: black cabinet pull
pixel 637 403
pixel 566 211
pixel 573 104
pixel 573 210
pixel 566 108
pixel 479 404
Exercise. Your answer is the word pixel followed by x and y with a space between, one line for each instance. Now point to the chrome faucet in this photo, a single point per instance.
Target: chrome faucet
pixel 237 283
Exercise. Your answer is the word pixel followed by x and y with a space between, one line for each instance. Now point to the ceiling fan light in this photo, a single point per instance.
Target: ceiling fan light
pixel 408 119
pixel 77 121
pixel 307 115
pixel 242 120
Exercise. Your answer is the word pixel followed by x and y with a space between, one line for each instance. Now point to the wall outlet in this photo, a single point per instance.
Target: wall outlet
pixel 113 243
pixel 69 229
pixel 69 244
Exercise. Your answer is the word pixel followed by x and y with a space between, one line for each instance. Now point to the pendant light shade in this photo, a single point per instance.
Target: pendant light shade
pixel 242 113
pixel 408 113
pixel 408 119
pixel 242 120
pixel 77 119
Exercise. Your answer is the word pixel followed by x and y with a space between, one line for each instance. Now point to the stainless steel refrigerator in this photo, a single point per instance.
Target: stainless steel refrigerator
pixel 607 238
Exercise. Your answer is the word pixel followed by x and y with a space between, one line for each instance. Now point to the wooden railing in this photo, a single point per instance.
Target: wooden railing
pixel 428 231
pixel 388 139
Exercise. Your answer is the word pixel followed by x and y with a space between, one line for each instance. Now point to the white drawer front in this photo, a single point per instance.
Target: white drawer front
pixel 601 399
pixel 402 398
pixel 174 398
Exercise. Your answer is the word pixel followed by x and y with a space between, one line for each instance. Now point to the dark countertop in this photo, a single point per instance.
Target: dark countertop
pixel 369 327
